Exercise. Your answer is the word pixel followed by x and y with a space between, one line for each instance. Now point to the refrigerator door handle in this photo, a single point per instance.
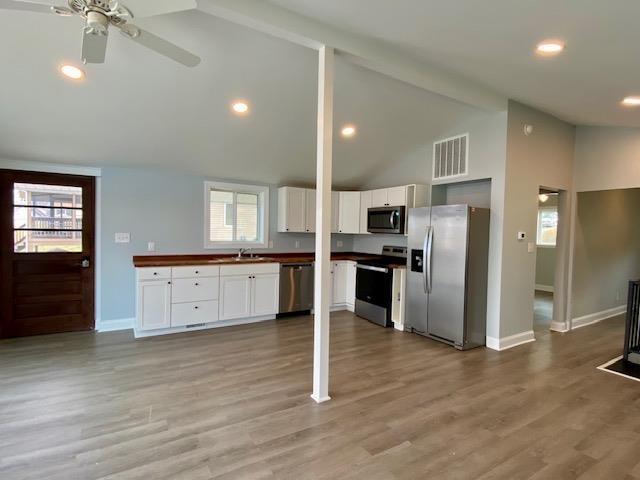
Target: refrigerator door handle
pixel 425 247
pixel 429 254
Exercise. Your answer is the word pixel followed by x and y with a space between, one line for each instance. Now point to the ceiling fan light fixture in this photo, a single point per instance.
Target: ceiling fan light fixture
pixel 72 72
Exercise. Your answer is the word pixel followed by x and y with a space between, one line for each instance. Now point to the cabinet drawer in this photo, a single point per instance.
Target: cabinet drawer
pixel 153 273
pixel 194 313
pixel 250 269
pixel 194 289
pixel 192 271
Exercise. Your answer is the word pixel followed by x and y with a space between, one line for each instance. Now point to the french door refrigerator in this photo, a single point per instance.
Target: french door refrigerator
pixel 447 262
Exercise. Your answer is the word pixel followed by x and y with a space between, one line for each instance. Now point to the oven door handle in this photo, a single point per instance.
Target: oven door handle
pixel 372 268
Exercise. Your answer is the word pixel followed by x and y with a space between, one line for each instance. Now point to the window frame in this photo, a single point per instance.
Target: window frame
pixel 263 215
pixel 538 227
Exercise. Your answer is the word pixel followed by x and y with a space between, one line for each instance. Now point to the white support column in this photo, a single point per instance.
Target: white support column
pixel 323 227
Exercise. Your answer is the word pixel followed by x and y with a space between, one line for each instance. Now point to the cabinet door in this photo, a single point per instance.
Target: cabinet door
pixel 265 294
pixel 310 207
pixel 235 297
pixel 379 197
pixel 154 304
pixel 339 293
pixel 291 209
pixel 365 203
pixel 349 219
pixel 351 284
pixel 397 196
pixel 335 211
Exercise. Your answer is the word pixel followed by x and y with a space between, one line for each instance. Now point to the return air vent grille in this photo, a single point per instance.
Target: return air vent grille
pixel 450 157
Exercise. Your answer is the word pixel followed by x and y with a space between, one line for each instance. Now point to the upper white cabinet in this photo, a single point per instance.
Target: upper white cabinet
pixel 292 209
pixel 349 213
pixel 310 208
pixel 385 197
pixel 297 207
pixel 365 204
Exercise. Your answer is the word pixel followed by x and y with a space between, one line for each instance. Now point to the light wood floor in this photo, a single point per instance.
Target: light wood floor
pixel 234 403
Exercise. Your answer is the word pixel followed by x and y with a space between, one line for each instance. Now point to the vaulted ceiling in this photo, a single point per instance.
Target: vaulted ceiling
pixel 139 109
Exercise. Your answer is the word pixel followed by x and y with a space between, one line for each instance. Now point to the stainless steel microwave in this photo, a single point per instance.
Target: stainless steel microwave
pixel 386 220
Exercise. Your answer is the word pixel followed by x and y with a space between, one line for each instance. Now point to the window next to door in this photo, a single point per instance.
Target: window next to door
pixel 236 215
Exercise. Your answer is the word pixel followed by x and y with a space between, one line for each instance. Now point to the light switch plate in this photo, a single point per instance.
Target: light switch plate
pixel 531 247
pixel 270 243
pixel 121 237
pixel 151 246
pixel 297 243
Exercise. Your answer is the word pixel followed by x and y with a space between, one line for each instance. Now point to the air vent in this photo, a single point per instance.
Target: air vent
pixel 450 157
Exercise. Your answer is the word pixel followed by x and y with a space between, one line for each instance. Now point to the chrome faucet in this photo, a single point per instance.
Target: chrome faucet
pixel 242 251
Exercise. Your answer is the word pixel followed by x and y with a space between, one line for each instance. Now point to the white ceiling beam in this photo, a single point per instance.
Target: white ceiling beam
pixel 378 56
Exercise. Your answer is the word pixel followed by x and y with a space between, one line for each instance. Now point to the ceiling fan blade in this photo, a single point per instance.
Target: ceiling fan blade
pixel 25 6
pixel 148 8
pixel 160 45
pixel 94 47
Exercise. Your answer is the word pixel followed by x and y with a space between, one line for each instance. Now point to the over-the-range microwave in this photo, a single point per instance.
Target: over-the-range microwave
pixel 386 220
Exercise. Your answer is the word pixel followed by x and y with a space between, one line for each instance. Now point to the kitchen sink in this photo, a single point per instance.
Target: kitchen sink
pixel 249 259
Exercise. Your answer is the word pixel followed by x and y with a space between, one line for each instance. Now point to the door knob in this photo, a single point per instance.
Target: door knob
pixel 86 263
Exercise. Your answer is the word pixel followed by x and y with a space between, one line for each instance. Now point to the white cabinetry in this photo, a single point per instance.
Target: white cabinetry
pixel 194 295
pixel 310 208
pixel 291 209
pixel 153 309
pixel 365 204
pixel 351 285
pixel 349 212
pixel 339 284
pixel 250 290
pixel 385 197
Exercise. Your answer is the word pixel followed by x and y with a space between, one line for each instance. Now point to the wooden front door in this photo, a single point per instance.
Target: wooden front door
pixel 47 226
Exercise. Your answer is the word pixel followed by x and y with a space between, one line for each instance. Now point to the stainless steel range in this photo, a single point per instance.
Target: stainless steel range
pixel 374 283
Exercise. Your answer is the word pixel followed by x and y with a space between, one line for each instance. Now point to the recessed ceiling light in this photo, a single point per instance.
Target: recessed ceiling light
pixel 550 47
pixel 631 101
pixel 240 108
pixel 348 131
pixel 72 72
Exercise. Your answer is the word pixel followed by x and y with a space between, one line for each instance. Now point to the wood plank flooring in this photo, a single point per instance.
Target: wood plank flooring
pixel 234 403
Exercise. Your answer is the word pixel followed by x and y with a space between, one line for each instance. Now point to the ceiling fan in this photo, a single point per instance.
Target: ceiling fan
pixel 99 15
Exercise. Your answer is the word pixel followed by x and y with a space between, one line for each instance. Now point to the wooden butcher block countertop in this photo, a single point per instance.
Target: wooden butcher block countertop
pixel 230 259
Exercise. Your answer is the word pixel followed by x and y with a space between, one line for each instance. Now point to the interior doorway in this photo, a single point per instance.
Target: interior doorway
pixel 47 230
pixel 546 258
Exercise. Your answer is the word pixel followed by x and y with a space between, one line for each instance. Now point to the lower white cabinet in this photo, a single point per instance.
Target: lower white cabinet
pixel 235 296
pixel 351 285
pixel 194 313
pixel 249 290
pixel 339 284
pixel 153 304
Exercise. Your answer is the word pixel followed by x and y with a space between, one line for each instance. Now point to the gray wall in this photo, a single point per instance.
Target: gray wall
pixel 544 158
pixel 607 249
pixel 168 208
pixel 545 266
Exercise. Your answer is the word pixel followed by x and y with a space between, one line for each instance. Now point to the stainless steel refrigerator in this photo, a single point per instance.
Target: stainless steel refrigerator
pixel 447 261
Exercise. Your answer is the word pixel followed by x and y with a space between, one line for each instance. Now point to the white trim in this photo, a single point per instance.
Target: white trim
pixel 207 326
pixel 505 343
pixel 320 399
pixel 544 288
pixel 97 254
pixel 560 327
pixel 46 167
pixel 604 366
pixel 263 227
pixel 596 317
pixel 115 325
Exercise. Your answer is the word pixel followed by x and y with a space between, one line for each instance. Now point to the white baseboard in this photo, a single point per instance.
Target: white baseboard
pixel 206 326
pixel 505 343
pixel 115 324
pixel 545 288
pixel 558 327
pixel 596 317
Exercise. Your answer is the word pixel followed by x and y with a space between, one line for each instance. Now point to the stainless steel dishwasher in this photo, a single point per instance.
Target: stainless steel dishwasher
pixel 296 287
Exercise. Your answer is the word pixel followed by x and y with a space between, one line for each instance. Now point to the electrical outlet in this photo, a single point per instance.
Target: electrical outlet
pixel 151 246
pixel 340 243
pixel 122 237
pixel 531 247
pixel 297 243
pixel 270 243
